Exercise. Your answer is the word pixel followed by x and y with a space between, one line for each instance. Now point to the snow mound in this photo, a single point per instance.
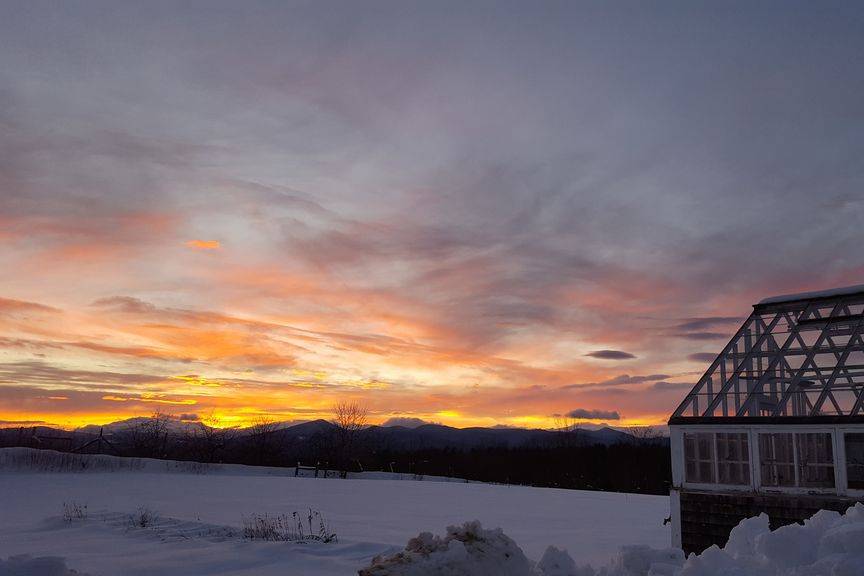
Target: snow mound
pixel 25 565
pixel 465 550
pixel 828 544
pixel 642 561
pixel 557 562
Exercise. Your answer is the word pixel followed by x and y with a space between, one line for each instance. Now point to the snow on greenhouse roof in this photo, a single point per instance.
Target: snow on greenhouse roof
pixel 830 293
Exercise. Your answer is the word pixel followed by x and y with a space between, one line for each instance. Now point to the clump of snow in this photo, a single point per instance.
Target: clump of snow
pixel 24 565
pixel 466 549
pixel 828 544
pixel 643 560
pixel 557 562
pixel 742 540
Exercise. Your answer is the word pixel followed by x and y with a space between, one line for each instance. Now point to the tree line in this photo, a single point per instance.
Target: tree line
pixel 347 444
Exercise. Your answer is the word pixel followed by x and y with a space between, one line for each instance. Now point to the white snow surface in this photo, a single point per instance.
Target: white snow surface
pixel 24 565
pixel 828 544
pixel 30 460
pixel 199 511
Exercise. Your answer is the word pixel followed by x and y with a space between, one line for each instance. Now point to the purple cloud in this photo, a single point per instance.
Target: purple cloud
pixel 590 414
pixel 611 355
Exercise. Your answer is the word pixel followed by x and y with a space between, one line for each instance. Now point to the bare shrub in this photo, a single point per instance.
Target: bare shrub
pixel 143 517
pixel 73 511
pixel 298 527
pixel 266 527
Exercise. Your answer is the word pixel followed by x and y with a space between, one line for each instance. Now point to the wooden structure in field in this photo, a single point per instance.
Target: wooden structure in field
pixel 776 424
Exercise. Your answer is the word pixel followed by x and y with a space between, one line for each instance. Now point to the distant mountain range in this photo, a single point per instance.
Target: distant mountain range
pixel 173 426
pixel 393 438
pixel 439 436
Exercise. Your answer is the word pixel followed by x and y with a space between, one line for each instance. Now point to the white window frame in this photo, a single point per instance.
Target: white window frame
pixel 749 460
pixel 714 470
pixel 832 436
pixel 714 486
pixel 794 448
pixel 840 444
pixel 753 430
pixel 838 488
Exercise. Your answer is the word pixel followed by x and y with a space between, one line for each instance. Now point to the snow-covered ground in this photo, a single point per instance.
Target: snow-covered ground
pixel 827 544
pixel 200 512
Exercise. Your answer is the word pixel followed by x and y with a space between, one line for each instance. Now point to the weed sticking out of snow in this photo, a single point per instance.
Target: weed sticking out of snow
pixel 143 517
pixel 298 527
pixel 73 511
pixel 828 544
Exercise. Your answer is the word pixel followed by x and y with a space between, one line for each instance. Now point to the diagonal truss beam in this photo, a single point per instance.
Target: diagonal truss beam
pixel 826 390
pixel 714 365
pixel 779 356
pixel 748 356
pixel 799 375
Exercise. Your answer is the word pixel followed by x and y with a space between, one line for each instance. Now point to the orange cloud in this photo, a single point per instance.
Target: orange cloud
pixel 204 244
pixel 290 343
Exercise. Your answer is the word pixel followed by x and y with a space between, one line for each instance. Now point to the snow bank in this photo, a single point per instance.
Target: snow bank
pixel 24 565
pixel 466 549
pixel 828 544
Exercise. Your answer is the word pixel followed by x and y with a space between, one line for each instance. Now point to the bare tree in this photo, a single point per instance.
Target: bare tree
pixel 644 434
pixel 568 430
pixel 350 419
pixel 208 440
pixel 261 433
pixel 149 437
pixel 350 416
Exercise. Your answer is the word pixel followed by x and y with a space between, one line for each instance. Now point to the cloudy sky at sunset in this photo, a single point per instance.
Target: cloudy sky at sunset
pixel 474 213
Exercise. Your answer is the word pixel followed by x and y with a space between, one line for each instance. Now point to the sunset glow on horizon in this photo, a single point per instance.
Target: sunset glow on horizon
pixel 492 218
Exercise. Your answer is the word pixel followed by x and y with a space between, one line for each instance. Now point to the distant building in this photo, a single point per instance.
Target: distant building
pixel 776 424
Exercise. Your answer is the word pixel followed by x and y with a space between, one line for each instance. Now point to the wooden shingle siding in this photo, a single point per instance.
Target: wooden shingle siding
pixel 708 518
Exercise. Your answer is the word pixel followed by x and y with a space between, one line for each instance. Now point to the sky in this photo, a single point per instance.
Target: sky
pixel 474 213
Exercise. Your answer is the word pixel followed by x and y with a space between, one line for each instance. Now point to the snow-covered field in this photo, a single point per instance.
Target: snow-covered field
pixel 200 515
pixel 52 518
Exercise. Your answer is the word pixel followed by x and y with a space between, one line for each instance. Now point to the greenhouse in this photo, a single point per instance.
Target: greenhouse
pixel 775 424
